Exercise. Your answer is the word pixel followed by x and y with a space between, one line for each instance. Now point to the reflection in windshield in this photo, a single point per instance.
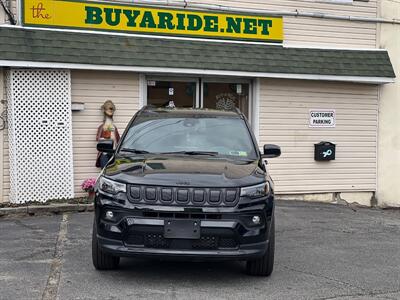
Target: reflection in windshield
pixel 222 136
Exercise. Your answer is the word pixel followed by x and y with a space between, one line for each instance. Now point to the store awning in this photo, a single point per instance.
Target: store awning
pixel 23 47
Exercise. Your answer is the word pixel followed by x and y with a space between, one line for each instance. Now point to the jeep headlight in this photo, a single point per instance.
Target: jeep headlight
pixel 110 186
pixel 256 191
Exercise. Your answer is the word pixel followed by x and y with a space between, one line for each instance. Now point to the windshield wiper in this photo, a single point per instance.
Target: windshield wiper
pixel 134 151
pixel 193 153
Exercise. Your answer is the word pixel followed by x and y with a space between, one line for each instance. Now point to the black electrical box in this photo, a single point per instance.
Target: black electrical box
pixel 324 151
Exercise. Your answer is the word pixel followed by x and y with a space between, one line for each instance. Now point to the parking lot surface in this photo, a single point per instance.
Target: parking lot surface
pixel 322 252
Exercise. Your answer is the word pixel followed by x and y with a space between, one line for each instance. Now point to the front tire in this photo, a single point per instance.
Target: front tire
pixel 264 266
pixel 101 260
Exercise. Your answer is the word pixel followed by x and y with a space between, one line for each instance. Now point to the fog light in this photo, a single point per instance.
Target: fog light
pixel 256 220
pixel 109 214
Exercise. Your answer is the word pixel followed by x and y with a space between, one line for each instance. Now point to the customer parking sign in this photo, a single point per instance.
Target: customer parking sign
pixel 322 118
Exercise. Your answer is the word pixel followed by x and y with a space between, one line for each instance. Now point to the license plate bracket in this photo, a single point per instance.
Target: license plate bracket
pixel 182 229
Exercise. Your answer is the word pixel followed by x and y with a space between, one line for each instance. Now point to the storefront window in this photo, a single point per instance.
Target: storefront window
pixel 198 92
pixel 226 96
pixel 159 93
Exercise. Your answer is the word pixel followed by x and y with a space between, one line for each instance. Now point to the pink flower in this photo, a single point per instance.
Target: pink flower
pixel 88 184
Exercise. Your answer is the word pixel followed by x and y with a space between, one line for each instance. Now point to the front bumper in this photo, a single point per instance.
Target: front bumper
pixel 245 252
pixel 225 234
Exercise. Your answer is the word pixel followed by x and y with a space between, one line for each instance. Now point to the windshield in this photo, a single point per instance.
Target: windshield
pixel 222 136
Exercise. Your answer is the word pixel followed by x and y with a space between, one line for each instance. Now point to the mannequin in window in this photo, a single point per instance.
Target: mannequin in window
pixel 107 130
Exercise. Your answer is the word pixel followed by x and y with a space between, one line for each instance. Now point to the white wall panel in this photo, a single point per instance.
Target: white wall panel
pixel 318 31
pixel 39 131
pixel 284 109
pixel 93 88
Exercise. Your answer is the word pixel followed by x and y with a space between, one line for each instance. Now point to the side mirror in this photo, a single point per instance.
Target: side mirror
pixel 106 146
pixel 271 151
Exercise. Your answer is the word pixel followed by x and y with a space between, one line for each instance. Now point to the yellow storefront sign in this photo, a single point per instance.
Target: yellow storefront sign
pixel 150 20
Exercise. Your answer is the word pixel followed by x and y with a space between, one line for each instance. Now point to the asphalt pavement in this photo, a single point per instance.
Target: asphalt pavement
pixel 322 252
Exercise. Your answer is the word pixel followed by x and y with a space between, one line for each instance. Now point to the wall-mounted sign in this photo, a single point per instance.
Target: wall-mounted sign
pixel 150 20
pixel 322 118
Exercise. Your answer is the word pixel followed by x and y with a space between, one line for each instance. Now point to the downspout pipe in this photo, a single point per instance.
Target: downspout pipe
pixel 295 13
pixel 8 12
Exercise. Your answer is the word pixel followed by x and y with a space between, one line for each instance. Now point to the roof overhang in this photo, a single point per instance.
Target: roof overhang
pixel 37 48
pixel 200 72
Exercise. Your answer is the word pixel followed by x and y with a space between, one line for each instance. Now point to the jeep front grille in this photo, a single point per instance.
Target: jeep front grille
pixel 184 196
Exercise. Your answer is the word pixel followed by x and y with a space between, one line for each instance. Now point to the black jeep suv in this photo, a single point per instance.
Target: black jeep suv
pixel 189 184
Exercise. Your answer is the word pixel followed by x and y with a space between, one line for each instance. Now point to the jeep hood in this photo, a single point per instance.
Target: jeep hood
pixel 182 170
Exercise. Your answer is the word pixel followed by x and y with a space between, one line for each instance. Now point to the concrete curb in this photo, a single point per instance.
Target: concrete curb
pixel 44 209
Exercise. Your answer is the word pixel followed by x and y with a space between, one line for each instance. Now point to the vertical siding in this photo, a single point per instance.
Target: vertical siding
pixel 5 159
pixel 93 88
pixel 6 168
pixel 284 109
pixel 310 31
pixel 3 96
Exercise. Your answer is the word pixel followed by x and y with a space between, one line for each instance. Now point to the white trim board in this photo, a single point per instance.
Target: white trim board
pixel 296 45
pixel 255 112
pixel 52 65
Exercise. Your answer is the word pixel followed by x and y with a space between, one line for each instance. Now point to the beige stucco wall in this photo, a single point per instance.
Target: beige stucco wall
pixel 389 111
